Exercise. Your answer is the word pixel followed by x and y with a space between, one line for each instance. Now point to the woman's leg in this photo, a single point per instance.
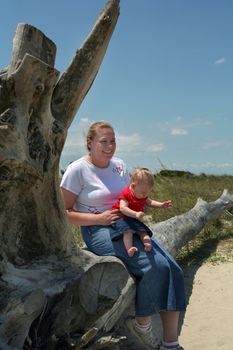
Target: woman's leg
pixel 159 281
pixel 146 320
pixel 160 286
pixel 170 321
pixel 141 327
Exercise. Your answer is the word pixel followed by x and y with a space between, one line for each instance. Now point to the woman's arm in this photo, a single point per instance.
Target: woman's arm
pixel 85 219
pixel 155 204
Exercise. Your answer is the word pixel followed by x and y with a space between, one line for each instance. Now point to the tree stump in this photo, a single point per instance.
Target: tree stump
pixel 50 288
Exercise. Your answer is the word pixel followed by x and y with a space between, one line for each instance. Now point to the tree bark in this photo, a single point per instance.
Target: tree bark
pixel 36 110
pixel 43 273
pixel 53 294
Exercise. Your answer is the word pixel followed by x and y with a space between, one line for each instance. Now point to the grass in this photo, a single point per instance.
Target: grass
pixel 215 242
pixel 184 191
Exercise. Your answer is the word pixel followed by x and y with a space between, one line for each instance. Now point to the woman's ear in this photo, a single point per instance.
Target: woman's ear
pixel 89 144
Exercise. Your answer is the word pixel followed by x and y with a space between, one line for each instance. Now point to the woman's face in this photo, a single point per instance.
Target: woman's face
pixel 103 146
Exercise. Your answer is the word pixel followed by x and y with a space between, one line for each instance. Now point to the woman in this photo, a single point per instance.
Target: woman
pixel 90 186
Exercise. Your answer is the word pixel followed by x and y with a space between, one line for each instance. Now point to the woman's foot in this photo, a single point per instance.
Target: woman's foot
pixel 146 337
pixel 178 347
pixel 131 251
pixel 170 346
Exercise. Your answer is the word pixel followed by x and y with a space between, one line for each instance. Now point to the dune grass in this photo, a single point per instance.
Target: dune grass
pixel 215 242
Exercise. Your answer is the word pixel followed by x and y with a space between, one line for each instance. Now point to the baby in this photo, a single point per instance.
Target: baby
pixel 131 203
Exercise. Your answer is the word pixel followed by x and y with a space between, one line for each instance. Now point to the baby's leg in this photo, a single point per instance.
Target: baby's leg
pixel 145 238
pixel 128 242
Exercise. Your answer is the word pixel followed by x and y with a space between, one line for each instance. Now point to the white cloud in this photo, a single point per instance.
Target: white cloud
pixel 128 143
pixel 218 144
pixel 158 147
pixel 179 132
pixel 213 144
pixel 224 165
pixel 213 167
pixel 205 167
pixel 199 122
pixel 136 144
pixel 180 127
pixel 221 60
pixel 75 145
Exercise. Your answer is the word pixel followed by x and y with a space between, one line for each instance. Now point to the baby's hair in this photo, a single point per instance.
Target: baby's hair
pixel 142 175
pixel 92 130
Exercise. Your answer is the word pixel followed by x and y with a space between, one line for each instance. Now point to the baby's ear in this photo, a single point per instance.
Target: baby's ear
pixel 133 184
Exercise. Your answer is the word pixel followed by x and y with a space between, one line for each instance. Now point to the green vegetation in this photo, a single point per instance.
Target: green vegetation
pixel 215 242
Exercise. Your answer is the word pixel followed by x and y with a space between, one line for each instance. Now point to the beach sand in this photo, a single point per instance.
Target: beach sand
pixel 207 323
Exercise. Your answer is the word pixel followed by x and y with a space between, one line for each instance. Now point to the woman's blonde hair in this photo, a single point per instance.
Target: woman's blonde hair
pixel 92 130
pixel 142 175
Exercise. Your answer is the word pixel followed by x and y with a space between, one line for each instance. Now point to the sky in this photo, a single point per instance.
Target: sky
pixel 165 84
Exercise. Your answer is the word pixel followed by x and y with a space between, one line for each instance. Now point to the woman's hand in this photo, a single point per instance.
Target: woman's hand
pixel 108 217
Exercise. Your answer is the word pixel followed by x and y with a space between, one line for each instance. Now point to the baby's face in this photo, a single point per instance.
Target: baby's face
pixel 141 190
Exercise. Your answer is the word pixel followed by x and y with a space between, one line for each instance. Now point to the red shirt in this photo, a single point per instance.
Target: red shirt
pixel 134 203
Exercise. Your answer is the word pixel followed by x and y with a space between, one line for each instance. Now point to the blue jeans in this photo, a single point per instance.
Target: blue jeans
pixel 127 224
pixel 159 280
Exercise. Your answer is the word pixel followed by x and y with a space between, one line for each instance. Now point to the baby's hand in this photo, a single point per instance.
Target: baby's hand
pixel 139 215
pixel 167 204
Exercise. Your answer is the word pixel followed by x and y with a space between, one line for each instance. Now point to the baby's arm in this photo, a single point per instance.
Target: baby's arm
pixel 129 212
pixel 155 204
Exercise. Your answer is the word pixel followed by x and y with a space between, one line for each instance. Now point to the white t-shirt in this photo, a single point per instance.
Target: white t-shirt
pixel 97 189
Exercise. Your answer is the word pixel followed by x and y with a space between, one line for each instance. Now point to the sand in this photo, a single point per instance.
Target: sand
pixel 207 323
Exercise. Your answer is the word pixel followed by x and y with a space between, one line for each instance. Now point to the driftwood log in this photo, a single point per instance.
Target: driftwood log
pixel 54 295
pixel 175 232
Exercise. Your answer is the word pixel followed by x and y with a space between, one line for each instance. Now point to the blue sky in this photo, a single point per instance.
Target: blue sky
pixel 166 82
